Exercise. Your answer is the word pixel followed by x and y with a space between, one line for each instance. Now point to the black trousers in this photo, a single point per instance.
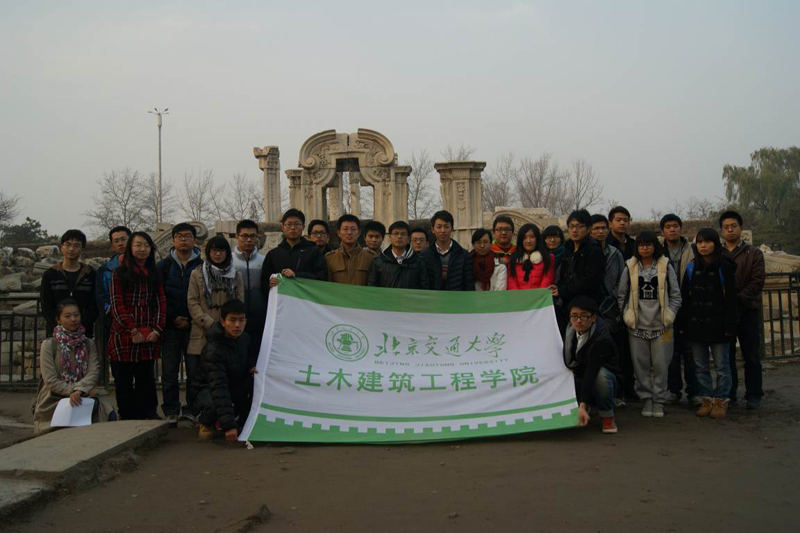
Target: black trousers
pixel 135 383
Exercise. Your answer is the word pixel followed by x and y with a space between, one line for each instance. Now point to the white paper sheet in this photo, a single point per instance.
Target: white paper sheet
pixel 68 416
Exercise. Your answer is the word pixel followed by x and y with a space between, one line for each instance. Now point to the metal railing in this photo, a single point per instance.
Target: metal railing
pixel 20 334
pixel 781 319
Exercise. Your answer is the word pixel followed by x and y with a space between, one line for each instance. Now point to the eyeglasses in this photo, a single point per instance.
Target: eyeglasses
pixel 72 246
pixel 645 245
pixel 731 227
pixel 183 236
pixel 576 226
pixel 248 236
pixel 293 224
pixel 319 234
pixel 504 230
pixel 583 317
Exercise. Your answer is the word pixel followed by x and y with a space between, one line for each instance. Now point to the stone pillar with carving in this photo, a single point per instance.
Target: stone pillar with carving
pixel 462 196
pixel 295 191
pixel 336 198
pixel 355 192
pixel 269 161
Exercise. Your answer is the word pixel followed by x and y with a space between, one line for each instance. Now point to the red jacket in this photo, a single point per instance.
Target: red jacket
pixel 537 279
pixel 141 307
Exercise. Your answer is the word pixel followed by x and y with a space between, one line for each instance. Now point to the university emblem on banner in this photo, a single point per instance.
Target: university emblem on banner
pixel 347 343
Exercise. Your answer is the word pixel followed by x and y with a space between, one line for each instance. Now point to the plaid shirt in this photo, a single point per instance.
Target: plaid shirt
pixel 139 307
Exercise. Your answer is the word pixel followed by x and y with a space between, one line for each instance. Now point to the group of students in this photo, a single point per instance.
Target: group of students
pixel 631 312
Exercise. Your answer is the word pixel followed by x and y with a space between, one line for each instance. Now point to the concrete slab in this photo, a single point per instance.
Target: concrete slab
pixel 18 494
pixel 68 456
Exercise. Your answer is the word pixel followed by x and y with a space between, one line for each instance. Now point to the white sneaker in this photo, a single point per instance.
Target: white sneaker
pixel 658 410
pixel 647 410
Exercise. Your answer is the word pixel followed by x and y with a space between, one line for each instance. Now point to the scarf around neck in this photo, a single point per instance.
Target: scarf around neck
pixel 219 279
pixel 528 260
pixel 74 357
pixel 482 269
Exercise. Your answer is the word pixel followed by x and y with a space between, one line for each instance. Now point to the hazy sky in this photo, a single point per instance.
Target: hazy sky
pixel 658 96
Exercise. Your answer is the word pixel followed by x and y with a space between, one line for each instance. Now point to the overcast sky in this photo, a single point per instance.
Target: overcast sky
pixel 658 96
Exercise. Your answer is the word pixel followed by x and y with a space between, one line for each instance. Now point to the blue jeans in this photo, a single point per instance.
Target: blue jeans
pixel 603 393
pixel 705 387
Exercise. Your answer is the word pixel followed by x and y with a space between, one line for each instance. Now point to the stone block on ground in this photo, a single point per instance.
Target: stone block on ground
pixel 49 250
pixel 26 307
pixel 19 494
pixel 26 252
pixel 12 282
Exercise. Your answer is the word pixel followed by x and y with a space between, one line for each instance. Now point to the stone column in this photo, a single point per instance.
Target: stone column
pixel 462 196
pixel 295 193
pixel 269 162
pixel 335 198
pixel 355 193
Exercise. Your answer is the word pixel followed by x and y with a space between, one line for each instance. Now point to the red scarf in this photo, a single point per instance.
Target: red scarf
pixel 482 269
pixel 499 251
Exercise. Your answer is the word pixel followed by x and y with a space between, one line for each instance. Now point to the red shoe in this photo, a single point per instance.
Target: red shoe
pixel 609 425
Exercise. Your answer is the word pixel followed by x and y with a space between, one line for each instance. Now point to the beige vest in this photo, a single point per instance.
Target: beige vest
pixel 629 316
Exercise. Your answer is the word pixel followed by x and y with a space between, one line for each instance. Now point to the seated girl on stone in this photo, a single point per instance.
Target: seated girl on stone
pixel 70 368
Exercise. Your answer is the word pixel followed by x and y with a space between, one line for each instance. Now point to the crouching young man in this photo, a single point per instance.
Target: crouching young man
pixel 225 366
pixel 590 352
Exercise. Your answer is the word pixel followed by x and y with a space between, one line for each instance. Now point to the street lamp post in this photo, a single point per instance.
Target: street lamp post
pixel 158 115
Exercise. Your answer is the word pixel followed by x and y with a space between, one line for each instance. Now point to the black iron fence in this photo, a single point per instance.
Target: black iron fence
pixel 22 329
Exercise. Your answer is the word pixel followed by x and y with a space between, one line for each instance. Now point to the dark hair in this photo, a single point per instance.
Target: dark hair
pixel 66 302
pixel 184 226
pixel 549 231
pixel 731 214
pixel 246 224
pixel 584 303
pixel 670 217
pixel 648 237
pixel 582 216
pixel 618 209
pixel 709 234
pixel 74 235
pixel 503 218
pixel 117 229
pixel 293 213
pixel 374 225
pixel 218 242
pixel 400 224
pixel 519 252
pixel 599 218
pixel 420 230
pixel 478 234
pixel 234 306
pixel 317 222
pixel 129 275
pixel 444 216
pixel 347 217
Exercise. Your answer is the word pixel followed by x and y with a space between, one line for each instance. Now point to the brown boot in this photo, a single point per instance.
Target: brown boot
pixel 206 432
pixel 720 408
pixel 705 407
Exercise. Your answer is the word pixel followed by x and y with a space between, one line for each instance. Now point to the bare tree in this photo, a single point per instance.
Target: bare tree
pixel 541 184
pixel 120 200
pixel 581 187
pixel 9 208
pixel 169 203
pixel 244 199
pixel 422 198
pixel 498 183
pixel 610 204
pixel 461 152
pixel 656 214
pixel 200 196
pixel 701 208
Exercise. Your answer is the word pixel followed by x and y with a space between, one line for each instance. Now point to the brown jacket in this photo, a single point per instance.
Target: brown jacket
pixel 352 268
pixel 750 274
pixel 204 315
pixel 52 389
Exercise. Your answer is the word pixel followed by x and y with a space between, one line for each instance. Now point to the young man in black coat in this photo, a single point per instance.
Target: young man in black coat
pixel 591 354
pixel 583 265
pixel 449 265
pixel 224 378
pixel 398 266
pixel 294 256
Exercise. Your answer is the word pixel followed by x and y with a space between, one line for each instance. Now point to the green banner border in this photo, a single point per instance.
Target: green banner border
pixel 283 431
pixel 413 300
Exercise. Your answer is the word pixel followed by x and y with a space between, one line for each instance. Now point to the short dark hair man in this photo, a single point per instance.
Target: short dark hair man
pixel 750 276
pixel 249 262
pixel 503 232
pixel 619 220
pixel 294 256
pixel 224 376
pixel 679 251
pixel 449 265
pixel 319 232
pixel 118 237
pixel 70 279
pixel 615 263
pixel 583 266
pixel 176 270
pixel 374 233
pixel 398 266
pixel 350 262
pixel 419 239
pixel 590 352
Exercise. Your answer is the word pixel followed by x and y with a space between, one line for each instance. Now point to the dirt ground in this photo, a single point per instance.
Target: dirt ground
pixel 675 474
